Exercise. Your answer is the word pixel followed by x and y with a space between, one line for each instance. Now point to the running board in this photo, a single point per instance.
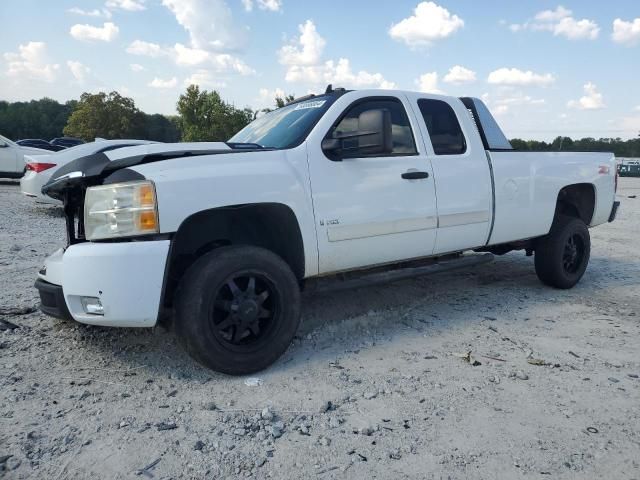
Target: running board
pixel 392 273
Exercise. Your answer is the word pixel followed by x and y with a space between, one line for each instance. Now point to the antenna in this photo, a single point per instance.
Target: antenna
pixel 329 89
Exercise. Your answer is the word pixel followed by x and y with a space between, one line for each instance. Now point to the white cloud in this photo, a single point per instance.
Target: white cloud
pixel 204 79
pixel 577 29
pixel 516 77
pixel 459 75
pixel 136 67
pixel 592 99
pixel 78 70
pixel 303 59
pixel 553 15
pixel 90 13
pixel 428 23
pixel 147 49
pixel 106 33
pixel 190 57
pixel 225 62
pixel 561 23
pixel 160 83
pixel 626 33
pixel 212 36
pixel 304 50
pixel 31 63
pixel 271 5
pixel 637 109
pixel 428 83
pixel 501 102
pixel 129 5
pixel 209 24
pixel 340 74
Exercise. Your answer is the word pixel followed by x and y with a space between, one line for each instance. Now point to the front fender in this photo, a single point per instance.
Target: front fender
pixel 186 186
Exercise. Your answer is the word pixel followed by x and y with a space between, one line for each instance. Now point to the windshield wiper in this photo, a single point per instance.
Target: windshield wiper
pixel 243 145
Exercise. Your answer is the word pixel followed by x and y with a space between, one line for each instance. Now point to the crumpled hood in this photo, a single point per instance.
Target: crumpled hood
pixel 94 169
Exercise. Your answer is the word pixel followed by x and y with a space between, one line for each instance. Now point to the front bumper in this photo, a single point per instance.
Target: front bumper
pixel 52 300
pixel 126 277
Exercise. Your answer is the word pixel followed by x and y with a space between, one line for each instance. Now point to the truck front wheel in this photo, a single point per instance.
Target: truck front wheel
pixel 562 255
pixel 237 309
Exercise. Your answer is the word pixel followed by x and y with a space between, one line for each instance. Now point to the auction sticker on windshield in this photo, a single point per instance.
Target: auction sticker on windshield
pixel 313 104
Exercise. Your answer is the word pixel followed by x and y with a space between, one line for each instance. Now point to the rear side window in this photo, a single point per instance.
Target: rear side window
pixel 443 127
pixel 401 134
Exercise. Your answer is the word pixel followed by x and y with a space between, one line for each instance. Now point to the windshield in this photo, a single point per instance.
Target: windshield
pixel 285 127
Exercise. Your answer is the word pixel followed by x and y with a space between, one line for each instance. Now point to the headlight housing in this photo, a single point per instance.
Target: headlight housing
pixel 121 210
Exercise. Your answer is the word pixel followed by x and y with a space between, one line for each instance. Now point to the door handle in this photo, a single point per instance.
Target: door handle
pixel 414 175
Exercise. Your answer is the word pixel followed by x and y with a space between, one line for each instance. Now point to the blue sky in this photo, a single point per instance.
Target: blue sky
pixel 544 68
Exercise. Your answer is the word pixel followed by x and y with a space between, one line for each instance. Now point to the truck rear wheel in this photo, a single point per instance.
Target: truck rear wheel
pixel 562 255
pixel 237 309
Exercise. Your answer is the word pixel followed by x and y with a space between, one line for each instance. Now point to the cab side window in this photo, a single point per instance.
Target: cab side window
pixel 402 136
pixel 443 127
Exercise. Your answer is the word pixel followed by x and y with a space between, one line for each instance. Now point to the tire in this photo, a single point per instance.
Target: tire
pixel 562 256
pixel 233 324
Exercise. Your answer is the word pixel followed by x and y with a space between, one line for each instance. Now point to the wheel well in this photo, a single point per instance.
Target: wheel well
pixel 578 201
pixel 268 225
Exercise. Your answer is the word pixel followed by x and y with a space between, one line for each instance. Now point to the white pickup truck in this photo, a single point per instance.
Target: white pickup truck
pixel 341 189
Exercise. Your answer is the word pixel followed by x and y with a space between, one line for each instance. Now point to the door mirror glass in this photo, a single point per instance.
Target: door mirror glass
pixel 372 137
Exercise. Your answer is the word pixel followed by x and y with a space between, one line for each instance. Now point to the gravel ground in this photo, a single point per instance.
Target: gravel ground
pixel 378 383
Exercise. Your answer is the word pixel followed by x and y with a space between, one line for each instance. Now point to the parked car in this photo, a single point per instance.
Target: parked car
pixel 39 143
pixel 40 168
pixel 331 191
pixel 630 169
pixel 66 142
pixel 12 164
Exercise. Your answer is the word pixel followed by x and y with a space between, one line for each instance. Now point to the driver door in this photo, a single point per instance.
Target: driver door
pixel 372 208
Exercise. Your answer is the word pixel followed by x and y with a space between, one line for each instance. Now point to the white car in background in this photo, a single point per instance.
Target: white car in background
pixel 12 157
pixel 41 167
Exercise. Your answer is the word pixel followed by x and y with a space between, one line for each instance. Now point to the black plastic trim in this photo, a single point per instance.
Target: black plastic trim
pixel 11 175
pixel 614 211
pixel 52 300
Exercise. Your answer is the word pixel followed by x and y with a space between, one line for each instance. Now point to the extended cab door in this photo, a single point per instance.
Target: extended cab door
pixel 461 172
pixel 371 209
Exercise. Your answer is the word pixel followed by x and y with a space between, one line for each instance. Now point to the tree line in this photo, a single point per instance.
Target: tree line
pixel 201 116
pixel 621 148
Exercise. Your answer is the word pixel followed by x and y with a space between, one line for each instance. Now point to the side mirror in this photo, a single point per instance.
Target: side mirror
pixel 374 128
pixel 373 137
pixel 3 145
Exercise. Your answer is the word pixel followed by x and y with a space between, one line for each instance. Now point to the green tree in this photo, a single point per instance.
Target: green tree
pixel 105 115
pixel 161 128
pixel 204 116
pixel 44 118
pixel 281 102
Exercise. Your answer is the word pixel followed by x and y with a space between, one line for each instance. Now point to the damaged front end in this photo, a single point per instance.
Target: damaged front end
pixel 70 183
